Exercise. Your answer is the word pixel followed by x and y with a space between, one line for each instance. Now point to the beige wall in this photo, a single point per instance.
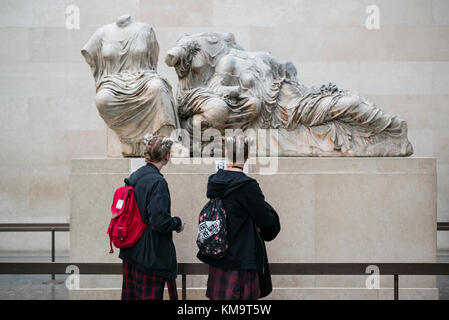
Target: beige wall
pixel 47 113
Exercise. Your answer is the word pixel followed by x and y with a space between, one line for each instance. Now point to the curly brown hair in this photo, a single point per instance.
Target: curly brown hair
pixel 156 148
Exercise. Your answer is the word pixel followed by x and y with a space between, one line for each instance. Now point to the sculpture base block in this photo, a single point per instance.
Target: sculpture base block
pixel 331 210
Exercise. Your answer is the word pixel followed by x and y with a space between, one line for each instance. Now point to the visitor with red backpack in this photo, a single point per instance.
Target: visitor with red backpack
pixel 151 261
pixel 232 229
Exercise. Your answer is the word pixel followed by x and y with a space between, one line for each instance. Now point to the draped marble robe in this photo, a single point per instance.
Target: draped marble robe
pixel 130 96
pixel 225 87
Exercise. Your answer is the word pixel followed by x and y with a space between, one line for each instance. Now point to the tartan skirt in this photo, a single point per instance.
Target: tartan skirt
pixel 232 284
pixel 141 286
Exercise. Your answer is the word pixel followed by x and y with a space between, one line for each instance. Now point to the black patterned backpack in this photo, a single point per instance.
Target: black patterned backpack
pixel 212 239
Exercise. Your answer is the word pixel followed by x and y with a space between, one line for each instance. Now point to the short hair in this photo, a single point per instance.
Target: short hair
pixel 237 148
pixel 156 148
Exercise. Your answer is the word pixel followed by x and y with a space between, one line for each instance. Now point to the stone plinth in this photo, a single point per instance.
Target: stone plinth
pixel 331 210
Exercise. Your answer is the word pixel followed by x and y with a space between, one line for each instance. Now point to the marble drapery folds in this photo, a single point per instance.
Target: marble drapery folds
pixel 130 96
pixel 224 87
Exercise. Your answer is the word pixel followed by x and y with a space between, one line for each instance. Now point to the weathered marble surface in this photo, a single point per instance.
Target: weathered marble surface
pixel 222 86
pixel 131 97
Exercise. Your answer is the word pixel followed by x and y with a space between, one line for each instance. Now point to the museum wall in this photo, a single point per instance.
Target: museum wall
pixel 47 110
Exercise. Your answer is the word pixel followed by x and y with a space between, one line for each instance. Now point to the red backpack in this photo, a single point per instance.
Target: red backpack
pixel 126 226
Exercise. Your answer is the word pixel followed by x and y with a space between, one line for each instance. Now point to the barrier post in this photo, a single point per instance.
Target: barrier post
pixel 53 254
pixel 396 287
pixel 184 284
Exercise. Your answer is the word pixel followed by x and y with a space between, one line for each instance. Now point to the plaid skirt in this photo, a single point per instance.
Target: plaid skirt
pixel 233 284
pixel 141 286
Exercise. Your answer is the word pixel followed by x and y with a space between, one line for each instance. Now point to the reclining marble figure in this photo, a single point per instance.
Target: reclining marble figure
pixel 225 87
pixel 130 96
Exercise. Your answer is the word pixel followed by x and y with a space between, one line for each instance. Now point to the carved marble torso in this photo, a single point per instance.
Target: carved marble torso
pixel 131 97
pixel 118 50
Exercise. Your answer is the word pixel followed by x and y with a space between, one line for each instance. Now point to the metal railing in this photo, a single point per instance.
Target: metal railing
pixel 38 227
pixel 443 226
pixel 184 269
pixel 33 227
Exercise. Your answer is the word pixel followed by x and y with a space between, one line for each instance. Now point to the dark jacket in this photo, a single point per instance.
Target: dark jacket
pixel 155 252
pixel 246 208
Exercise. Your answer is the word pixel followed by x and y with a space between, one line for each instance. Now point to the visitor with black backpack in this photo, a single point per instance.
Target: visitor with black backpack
pixel 151 262
pixel 233 227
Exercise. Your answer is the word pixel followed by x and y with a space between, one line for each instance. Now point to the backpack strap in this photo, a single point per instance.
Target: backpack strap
pixel 110 240
pixel 128 183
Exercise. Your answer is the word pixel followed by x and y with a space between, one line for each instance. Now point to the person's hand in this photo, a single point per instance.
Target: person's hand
pixel 181 227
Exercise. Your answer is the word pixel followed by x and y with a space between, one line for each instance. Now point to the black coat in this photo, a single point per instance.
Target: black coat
pixel 246 208
pixel 155 252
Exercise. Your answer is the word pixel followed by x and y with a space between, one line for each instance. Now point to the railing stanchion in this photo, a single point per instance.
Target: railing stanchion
pixel 53 258
pixel 184 285
pixel 396 287
pixel 53 255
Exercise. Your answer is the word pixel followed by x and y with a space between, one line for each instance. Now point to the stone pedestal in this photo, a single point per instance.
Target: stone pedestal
pixel 331 210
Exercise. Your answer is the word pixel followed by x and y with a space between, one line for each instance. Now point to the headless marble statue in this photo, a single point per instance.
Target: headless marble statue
pixel 130 96
pixel 224 87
